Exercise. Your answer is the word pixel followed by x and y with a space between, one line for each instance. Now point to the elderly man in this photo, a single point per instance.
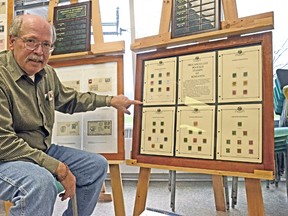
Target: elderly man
pixel 30 92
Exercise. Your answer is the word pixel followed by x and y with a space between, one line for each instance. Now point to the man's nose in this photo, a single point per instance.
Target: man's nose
pixel 38 49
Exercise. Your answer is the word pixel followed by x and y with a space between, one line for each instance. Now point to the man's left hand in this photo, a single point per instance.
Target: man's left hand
pixel 122 103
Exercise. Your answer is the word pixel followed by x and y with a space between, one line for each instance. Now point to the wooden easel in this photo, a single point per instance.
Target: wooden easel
pixel 232 26
pixel 99 47
pixel 10 12
pixel 252 185
pixel 117 188
pixel 114 159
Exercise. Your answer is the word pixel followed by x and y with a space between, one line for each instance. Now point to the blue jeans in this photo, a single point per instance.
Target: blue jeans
pixel 32 188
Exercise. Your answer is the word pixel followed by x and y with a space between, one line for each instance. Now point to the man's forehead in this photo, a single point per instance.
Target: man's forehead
pixel 36 28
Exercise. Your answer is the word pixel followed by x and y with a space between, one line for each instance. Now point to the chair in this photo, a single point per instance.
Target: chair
pixel 60 188
pixel 280 151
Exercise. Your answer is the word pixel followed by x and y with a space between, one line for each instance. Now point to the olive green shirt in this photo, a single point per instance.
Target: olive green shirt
pixel 27 111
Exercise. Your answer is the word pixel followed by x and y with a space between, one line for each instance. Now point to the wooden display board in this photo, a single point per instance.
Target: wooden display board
pixel 100 47
pixel 102 130
pixel 218 117
pixel 193 17
pixel 73 28
pixel 232 25
pixel 220 89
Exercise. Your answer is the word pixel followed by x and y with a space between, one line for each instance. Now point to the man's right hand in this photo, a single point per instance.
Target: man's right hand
pixel 69 181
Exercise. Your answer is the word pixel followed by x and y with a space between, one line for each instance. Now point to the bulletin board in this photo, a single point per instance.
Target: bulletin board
pixel 207 105
pixel 102 130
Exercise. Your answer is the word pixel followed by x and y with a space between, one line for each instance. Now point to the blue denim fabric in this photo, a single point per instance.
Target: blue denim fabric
pixel 32 188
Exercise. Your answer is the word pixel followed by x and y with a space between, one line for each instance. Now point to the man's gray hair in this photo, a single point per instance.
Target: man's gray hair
pixel 16 24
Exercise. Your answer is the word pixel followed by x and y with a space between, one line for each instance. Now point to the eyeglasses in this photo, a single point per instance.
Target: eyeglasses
pixel 32 44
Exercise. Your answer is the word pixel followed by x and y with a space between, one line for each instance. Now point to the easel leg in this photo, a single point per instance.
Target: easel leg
pixel 117 190
pixel 104 197
pixel 142 189
pixel 234 191
pixel 226 191
pixel 218 188
pixel 254 197
pixel 173 190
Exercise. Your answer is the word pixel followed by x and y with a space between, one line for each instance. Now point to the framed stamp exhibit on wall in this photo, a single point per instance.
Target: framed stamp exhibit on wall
pixel 102 130
pixel 204 105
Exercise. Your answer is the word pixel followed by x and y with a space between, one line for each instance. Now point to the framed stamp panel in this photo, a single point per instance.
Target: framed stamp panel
pixel 197 78
pixel 158 131
pixel 159 81
pixel 239 133
pixel 68 130
pixel 102 130
pixel 240 74
pixel 195 132
pixel 205 123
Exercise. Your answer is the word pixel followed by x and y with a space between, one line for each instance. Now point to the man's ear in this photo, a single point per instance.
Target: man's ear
pixel 11 42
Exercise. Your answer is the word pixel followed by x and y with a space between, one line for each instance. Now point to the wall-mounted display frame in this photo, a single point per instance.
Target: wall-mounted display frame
pixel 102 130
pixel 200 116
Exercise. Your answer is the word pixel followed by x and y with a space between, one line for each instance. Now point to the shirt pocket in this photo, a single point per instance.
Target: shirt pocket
pixel 49 108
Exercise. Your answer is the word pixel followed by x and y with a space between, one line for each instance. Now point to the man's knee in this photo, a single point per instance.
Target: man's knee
pixel 101 163
pixel 104 163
